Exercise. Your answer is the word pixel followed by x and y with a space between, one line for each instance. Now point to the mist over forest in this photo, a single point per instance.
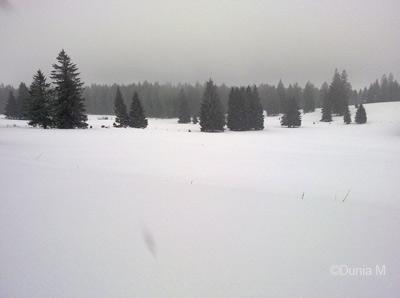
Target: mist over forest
pixel 162 100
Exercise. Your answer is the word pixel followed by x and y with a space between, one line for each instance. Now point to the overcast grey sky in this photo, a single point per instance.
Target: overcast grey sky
pixel 232 41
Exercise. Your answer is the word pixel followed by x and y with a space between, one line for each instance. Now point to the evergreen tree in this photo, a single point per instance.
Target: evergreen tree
pixel 347 116
pixel 184 111
pixel 361 115
pixel 120 111
pixel 326 105
pixel 40 109
pixel 212 118
pixel 137 118
pixel 23 102
pixel 236 110
pixel 69 109
pixel 11 109
pixel 255 112
pixel 309 98
pixel 291 116
pixel 195 120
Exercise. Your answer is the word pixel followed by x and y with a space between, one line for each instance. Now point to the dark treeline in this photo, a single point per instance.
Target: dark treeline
pixel 385 89
pixel 159 100
pixel 164 100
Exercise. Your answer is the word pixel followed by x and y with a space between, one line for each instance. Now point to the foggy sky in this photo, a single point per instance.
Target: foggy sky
pixel 232 41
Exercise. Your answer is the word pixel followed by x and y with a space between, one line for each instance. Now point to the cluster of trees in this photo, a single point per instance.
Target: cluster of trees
pixel 245 111
pixel 336 99
pixel 135 118
pixel 276 97
pixel 61 106
pixel 17 107
pixel 385 89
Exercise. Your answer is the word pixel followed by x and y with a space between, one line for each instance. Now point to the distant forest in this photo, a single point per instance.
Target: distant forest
pixel 162 100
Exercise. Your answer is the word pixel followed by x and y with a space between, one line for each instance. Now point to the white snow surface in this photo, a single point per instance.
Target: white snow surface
pixel 164 212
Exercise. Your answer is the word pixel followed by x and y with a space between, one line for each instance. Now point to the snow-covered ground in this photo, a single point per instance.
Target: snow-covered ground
pixel 164 212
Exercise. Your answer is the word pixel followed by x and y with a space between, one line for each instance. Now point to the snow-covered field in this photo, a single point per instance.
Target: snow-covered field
pixel 164 212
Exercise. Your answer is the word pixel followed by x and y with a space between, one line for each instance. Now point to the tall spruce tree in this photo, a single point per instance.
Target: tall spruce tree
pixel 326 104
pixel 120 111
pixel 255 112
pixel 347 116
pixel 291 116
pixel 236 110
pixel 212 118
pixel 69 108
pixel 23 102
pixel 309 98
pixel 137 118
pixel 40 103
pixel 183 108
pixel 361 115
pixel 11 109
